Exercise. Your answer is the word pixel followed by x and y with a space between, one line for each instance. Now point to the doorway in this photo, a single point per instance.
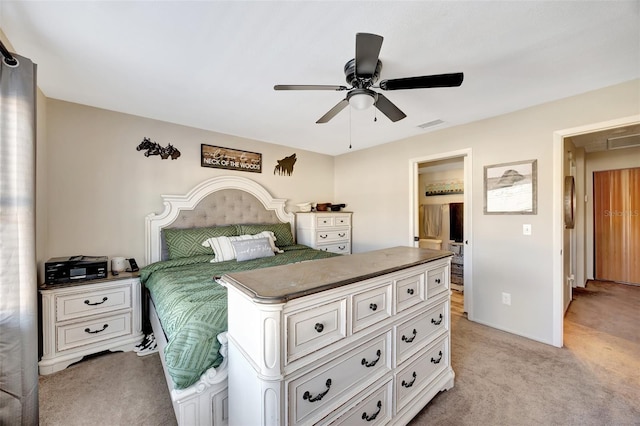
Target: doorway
pixel 616 214
pixel 461 158
pixel 560 242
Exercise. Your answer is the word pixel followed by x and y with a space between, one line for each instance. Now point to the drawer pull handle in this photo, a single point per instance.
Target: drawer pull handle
pixel 437 280
pixel 104 299
pixel 437 361
pixel 410 291
pixel 408 385
pixel 342 247
pixel 374 415
pixel 409 339
pixel 319 327
pixel 323 236
pixel 342 235
pixel 372 363
pixel 434 322
pixel 104 327
pixel 307 396
pixel 373 307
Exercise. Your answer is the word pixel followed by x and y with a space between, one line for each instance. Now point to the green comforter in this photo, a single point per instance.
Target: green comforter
pixel 192 307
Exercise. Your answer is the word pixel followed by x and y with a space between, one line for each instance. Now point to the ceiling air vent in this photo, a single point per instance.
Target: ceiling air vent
pixel 430 124
pixel 620 142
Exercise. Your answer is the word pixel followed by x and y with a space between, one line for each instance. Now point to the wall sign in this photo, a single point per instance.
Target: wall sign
pixel 285 166
pixel 231 159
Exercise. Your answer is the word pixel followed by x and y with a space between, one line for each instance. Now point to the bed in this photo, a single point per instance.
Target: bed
pixel 186 305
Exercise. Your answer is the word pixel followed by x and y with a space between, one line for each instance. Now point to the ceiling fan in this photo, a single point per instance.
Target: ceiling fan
pixel 363 72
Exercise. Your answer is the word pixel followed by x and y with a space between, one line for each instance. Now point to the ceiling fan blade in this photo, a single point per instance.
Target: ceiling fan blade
pixel 308 87
pixel 389 109
pixel 333 111
pixel 367 52
pixel 424 82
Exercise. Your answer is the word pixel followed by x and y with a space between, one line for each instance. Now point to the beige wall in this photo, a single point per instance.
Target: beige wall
pixel 100 188
pixel 504 260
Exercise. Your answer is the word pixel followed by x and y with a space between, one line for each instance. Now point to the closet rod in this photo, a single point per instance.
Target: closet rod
pixel 8 57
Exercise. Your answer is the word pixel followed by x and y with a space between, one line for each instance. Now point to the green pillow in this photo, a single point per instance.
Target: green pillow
pixel 188 242
pixel 282 231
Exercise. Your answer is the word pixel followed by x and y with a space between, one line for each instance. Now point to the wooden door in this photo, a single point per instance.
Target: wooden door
pixel 617 225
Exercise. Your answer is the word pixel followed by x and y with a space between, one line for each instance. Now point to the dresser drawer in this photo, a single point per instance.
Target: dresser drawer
pixel 370 307
pixel 315 328
pixel 330 235
pixel 418 374
pixel 412 335
pixel 437 281
pixel 375 409
pixel 92 331
pixel 315 393
pixel 409 291
pixel 342 247
pixel 77 305
pixel 328 220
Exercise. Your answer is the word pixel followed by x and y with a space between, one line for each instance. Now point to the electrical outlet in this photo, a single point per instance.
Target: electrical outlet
pixel 506 299
pixel 526 229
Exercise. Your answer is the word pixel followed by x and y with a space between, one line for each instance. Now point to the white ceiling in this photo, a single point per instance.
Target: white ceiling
pixel 213 64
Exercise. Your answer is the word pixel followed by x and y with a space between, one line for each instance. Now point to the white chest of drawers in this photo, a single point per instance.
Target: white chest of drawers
pixel 81 319
pixel 370 350
pixel 328 231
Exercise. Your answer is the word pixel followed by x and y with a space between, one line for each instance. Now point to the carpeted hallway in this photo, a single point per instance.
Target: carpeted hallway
pixel 501 379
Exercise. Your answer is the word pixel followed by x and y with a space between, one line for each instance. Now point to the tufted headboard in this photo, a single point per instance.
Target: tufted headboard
pixel 225 200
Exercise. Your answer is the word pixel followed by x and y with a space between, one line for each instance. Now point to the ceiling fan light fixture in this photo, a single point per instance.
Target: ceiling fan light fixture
pixel 361 99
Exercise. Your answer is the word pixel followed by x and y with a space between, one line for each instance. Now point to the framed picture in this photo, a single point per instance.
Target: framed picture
pixel 511 188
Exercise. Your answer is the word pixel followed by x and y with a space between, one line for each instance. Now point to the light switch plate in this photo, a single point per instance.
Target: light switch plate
pixel 526 229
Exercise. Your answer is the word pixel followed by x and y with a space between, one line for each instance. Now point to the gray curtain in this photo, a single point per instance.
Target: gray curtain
pixel 18 278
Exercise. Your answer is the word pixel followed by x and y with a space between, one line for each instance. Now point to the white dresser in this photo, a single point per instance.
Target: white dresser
pixel 361 339
pixel 81 319
pixel 328 231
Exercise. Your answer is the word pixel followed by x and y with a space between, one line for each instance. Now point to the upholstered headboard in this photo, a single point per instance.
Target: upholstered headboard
pixel 225 200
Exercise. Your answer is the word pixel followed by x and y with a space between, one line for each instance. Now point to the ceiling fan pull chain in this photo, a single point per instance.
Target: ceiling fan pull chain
pixel 349 128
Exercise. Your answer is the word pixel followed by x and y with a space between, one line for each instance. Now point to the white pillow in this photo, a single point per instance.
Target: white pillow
pixel 252 249
pixel 223 248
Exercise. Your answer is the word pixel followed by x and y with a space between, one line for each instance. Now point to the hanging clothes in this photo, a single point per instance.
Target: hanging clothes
pixel 431 219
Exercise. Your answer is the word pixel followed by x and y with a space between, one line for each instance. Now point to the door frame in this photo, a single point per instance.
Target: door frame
pixel 557 210
pixel 466 155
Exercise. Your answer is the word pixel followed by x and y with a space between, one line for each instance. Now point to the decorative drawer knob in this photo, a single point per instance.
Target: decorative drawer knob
pixel 319 327
pixel 409 384
pixel 437 280
pixel 342 235
pixel 372 363
pixel 323 236
pixel 104 299
pixel 374 415
pixel 342 247
pixel 307 396
pixel 437 361
pixel 438 322
pixel 410 291
pixel 373 307
pixel 410 339
pixel 88 330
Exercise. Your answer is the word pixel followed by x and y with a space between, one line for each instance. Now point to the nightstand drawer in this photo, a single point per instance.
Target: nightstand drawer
pixel 324 220
pixel 77 305
pixel 91 331
pixel 315 328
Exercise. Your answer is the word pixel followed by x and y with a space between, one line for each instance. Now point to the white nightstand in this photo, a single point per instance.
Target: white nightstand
pixel 328 231
pixel 83 318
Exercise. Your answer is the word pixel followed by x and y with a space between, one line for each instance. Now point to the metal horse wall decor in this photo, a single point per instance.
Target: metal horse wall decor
pixel 153 148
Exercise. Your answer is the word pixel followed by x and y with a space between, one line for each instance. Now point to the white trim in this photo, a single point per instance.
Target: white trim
pixel 558 234
pixel 466 154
